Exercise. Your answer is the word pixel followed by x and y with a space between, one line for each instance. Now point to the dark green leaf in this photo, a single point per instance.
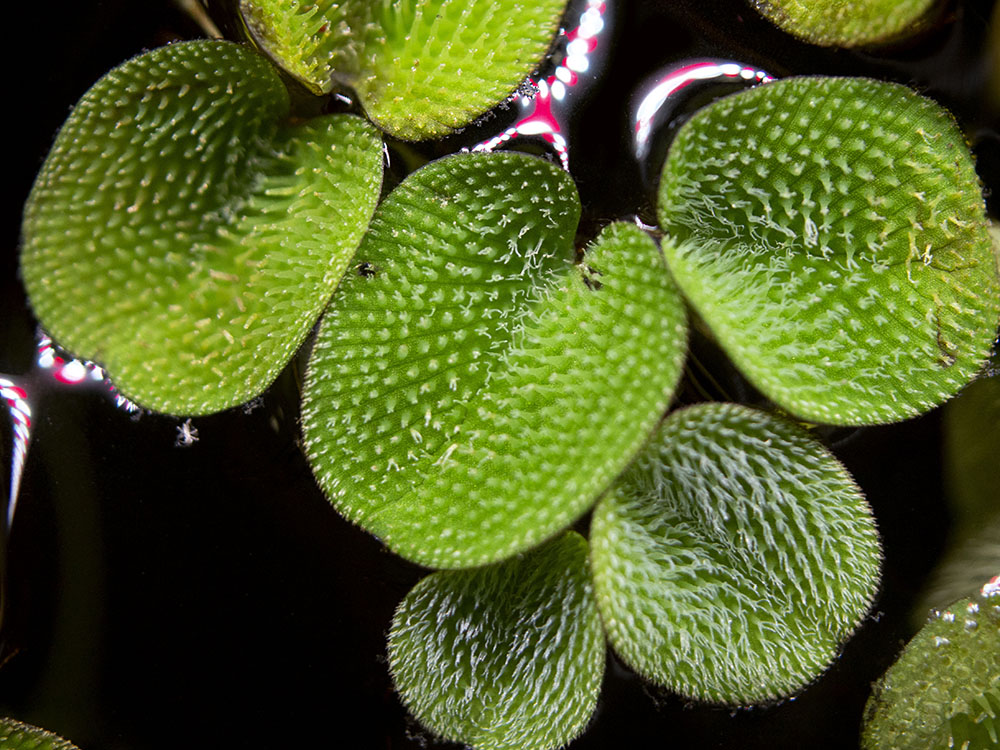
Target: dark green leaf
pixel 505 657
pixel 734 557
pixel 944 691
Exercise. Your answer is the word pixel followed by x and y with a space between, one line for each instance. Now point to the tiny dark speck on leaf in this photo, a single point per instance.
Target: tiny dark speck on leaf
pixel 589 272
pixel 366 269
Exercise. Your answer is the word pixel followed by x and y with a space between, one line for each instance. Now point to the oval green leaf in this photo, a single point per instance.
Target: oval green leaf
pixel 733 558
pixel 422 68
pixel 471 392
pixel 835 23
pixel 832 234
pixel 15 735
pixel 505 657
pixel 944 690
pixel 185 234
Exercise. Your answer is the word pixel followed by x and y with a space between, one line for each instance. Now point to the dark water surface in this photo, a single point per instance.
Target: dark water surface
pixel 162 596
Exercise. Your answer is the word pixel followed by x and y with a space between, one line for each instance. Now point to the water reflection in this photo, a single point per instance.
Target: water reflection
pixel 545 112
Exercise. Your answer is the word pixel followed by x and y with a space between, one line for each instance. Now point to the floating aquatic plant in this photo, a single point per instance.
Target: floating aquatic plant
pixel 186 234
pixel 832 234
pixel 734 557
pixel 471 391
pixel 836 23
pixel 15 735
pixel 421 68
pixel 944 691
pixel 505 657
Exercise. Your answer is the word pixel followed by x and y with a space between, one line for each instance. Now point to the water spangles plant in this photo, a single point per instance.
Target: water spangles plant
pixel 505 657
pixel 943 692
pixel 421 68
pixel 832 234
pixel 847 23
pixel 185 233
pixel 471 390
pixel 733 557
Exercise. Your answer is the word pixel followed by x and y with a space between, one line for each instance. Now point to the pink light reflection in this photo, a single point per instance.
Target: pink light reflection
pixel 541 117
pixel 16 399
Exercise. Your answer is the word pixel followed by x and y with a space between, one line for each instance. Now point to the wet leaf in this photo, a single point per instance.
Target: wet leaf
pixel 832 234
pixel 471 391
pixel 505 657
pixel 185 234
pixel 734 557
pixel 833 23
pixel 944 690
pixel 15 735
pixel 422 68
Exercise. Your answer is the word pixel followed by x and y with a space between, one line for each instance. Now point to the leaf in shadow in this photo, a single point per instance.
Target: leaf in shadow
pixel 185 234
pixel 944 690
pixel 505 657
pixel 831 23
pixel 14 735
pixel 734 557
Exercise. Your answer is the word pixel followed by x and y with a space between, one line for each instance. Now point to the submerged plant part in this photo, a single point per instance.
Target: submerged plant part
pixel 734 557
pixel 15 735
pixel 944 691
pixel 186 235
pixel 471 391
pixel 505 657
pixel 832 234
pixel 839 23
pixel 421 68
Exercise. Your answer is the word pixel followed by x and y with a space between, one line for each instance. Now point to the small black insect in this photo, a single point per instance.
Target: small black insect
pixel 589 274
pixel 367 270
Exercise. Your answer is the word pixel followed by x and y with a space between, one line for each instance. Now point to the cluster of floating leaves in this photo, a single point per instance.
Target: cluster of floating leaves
pixel 475 386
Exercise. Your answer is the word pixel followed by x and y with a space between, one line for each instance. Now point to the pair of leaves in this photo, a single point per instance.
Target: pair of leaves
pixel 472 391
pixel 186 232
pixel 421 68
pixel 728 564
pixel 833 236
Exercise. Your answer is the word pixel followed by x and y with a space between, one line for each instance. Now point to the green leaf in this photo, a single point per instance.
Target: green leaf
pixel 733 558
pixel 422 68
pixel 505 657
pixel 835 23
pixel 832 234
pixel 471 392
pixel 15 735
pixel 185 234
pixel 944 690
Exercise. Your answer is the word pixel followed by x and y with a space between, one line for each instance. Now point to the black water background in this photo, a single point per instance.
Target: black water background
pixel 166 597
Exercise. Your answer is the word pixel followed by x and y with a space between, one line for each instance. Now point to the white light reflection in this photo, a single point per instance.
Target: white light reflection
pixel 20 416
pixel 556 90
pixel 678 77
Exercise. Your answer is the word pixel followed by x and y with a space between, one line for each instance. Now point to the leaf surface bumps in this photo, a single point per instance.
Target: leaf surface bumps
pixel 505 657
pixel 734 556
pixel 422 68
pixel 832 234
pixel 472 391
pixel 184 234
